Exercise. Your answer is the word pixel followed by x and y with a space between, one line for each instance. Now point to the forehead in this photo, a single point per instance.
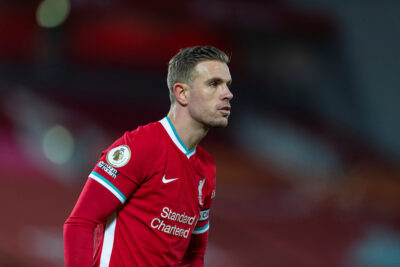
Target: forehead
pixel 212 69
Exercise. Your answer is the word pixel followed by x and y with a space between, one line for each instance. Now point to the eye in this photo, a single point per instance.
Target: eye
pixel 213 84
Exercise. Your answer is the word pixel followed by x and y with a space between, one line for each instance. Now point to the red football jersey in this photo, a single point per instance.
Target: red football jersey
pixel 166 192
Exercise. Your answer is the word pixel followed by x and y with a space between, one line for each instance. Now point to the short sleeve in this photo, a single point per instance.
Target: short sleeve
pixel 125 164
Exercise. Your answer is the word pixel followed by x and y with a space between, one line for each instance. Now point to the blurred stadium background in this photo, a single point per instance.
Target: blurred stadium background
pixel 308 169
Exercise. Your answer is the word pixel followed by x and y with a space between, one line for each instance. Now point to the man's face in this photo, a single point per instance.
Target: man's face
pixel 209 94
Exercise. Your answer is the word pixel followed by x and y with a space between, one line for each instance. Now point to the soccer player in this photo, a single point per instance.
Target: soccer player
pixel 147 200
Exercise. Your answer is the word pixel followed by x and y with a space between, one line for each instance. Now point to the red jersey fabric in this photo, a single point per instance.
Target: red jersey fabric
pixel 164 194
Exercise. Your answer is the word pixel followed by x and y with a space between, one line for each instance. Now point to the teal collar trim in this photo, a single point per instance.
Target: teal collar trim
pixel 169 127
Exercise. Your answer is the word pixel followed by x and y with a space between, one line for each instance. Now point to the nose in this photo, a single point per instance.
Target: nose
pixel 227 94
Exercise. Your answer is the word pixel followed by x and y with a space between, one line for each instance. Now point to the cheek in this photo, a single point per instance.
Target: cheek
pixel 202 100
pixel 206 96
pixel 199 106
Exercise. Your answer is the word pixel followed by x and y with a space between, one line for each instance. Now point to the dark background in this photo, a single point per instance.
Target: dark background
pixel 308 169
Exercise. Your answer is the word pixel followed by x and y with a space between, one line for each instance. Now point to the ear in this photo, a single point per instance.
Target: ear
pixel 181 92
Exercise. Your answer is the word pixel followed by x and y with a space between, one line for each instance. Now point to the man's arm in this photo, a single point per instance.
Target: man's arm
pixel 194 256
pixel 108 187
pixel 93 207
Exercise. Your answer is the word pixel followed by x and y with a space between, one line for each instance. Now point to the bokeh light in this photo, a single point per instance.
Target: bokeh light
pixel 52 13
pixel 58 144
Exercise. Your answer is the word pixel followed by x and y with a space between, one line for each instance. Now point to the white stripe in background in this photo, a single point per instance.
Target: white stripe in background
pixel 108 241
pixel 103 181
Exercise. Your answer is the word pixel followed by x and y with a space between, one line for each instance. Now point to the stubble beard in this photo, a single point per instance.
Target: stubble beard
pixel 218 122
pixel 211 120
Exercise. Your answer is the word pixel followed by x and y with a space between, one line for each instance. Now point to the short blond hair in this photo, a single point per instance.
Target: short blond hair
pixel 181 66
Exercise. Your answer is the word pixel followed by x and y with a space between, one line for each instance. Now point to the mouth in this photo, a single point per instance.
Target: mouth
pixel 226 110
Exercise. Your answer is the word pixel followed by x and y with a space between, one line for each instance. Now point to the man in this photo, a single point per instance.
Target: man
pixel 147 200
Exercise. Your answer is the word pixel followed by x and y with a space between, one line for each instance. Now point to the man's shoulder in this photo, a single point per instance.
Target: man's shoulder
pixel 144 139
pixel 144 133
pixel 135 153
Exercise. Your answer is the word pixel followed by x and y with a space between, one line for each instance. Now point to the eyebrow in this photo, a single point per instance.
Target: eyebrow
pixel 219 81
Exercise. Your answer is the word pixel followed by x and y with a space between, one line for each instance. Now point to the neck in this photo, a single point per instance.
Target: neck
pixel 190 131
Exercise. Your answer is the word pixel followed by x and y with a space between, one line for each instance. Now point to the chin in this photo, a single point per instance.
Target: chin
pixel 221 123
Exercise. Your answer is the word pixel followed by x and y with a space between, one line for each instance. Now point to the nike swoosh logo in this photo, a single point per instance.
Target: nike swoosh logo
pixel 166 181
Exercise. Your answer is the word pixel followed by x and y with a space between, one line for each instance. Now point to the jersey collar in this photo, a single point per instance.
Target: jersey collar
pixel 169 127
